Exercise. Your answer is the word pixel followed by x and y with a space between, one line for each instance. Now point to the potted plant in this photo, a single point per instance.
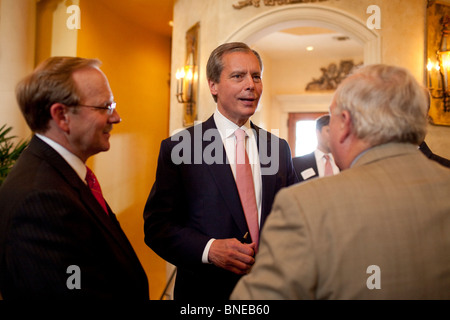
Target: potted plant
pixel 9 152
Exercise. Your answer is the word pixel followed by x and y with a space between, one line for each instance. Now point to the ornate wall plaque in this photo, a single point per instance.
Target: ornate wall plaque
pixel 256 3
pixel 331 76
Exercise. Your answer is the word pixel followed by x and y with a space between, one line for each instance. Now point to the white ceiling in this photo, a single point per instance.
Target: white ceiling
pixel 286 45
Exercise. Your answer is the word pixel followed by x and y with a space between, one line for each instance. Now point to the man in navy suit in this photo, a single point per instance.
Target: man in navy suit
pixel 193 217
pixel 312 165
pixel 56 239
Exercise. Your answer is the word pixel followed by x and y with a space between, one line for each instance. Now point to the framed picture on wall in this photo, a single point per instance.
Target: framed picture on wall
pixel 438 61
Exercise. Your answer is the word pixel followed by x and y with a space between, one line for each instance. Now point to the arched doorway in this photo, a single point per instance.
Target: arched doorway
pixel 313 16
pixel 282 107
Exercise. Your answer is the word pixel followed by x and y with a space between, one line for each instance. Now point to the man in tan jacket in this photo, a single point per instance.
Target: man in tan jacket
pixel 378 230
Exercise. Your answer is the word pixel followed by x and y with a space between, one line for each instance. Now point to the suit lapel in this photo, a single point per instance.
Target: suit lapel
pixel 313 164
pixel 223 176
pixel 268 181
pixel 224 180
pixel 109 223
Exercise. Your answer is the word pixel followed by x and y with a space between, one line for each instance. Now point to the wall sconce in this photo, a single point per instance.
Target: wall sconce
pixel 187 78
pixel 438 72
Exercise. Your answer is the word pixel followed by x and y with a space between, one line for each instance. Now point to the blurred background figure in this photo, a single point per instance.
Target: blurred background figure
pixel 320 162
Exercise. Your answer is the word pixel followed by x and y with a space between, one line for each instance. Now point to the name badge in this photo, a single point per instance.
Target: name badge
pixel 308 173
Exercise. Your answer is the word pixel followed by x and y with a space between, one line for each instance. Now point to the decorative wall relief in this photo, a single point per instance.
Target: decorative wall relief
pixel 332 76
pixel 256 3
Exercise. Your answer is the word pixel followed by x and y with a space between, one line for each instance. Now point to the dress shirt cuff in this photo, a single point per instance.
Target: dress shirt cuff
pixel 206 251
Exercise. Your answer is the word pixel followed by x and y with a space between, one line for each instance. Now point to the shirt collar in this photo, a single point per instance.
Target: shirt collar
pixel 76 163
pixel 227 128
pixel 358 156
pixel 319 154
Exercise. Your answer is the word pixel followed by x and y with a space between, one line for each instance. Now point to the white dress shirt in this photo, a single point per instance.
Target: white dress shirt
pixel 320 160
pixel 226 130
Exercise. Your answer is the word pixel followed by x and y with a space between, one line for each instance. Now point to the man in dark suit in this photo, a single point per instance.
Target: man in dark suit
pixel 57 241
pixel 313 165
pixel 194 217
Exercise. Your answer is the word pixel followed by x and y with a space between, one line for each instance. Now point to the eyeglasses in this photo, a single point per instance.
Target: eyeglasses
pixel 110 108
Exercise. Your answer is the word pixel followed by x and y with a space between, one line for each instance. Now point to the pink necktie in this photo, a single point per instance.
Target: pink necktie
pixel 328 168
pixel 95 188
pixel 245 185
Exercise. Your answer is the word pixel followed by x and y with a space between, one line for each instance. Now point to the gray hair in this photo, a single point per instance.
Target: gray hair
pixel 386 104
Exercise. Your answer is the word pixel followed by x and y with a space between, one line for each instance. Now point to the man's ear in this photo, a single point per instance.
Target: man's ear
pixel 212 87
pixel 59 114
pixel 346 125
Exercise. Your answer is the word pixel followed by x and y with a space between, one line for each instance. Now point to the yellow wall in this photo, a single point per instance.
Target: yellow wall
pixel 44 19
pixel 137 64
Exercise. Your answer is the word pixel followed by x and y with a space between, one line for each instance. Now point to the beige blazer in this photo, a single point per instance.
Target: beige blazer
pixel 380 230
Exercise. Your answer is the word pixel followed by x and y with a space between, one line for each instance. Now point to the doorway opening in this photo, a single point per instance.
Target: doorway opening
pixel 302 132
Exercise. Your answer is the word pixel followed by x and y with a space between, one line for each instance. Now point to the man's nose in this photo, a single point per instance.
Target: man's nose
pixel 250 82
pixel 115 117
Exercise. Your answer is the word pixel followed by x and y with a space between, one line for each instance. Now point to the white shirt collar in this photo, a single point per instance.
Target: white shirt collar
pixel 76 163
pixel 227 128
pixel 319 155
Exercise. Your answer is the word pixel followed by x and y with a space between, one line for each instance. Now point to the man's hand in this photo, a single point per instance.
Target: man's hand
pixel 232 255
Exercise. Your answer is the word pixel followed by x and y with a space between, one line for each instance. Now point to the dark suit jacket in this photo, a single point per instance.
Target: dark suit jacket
pixel 49 220
pixel 194 201
pixel 302 163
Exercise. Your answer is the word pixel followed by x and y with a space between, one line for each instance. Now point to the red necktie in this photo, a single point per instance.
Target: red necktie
pixel 95 188
pixel 245 185
pixel 328 168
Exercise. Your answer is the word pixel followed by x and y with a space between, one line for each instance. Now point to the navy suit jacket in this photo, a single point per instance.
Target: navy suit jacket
pixel 302 163
pixel 193 200
pixel 49 221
